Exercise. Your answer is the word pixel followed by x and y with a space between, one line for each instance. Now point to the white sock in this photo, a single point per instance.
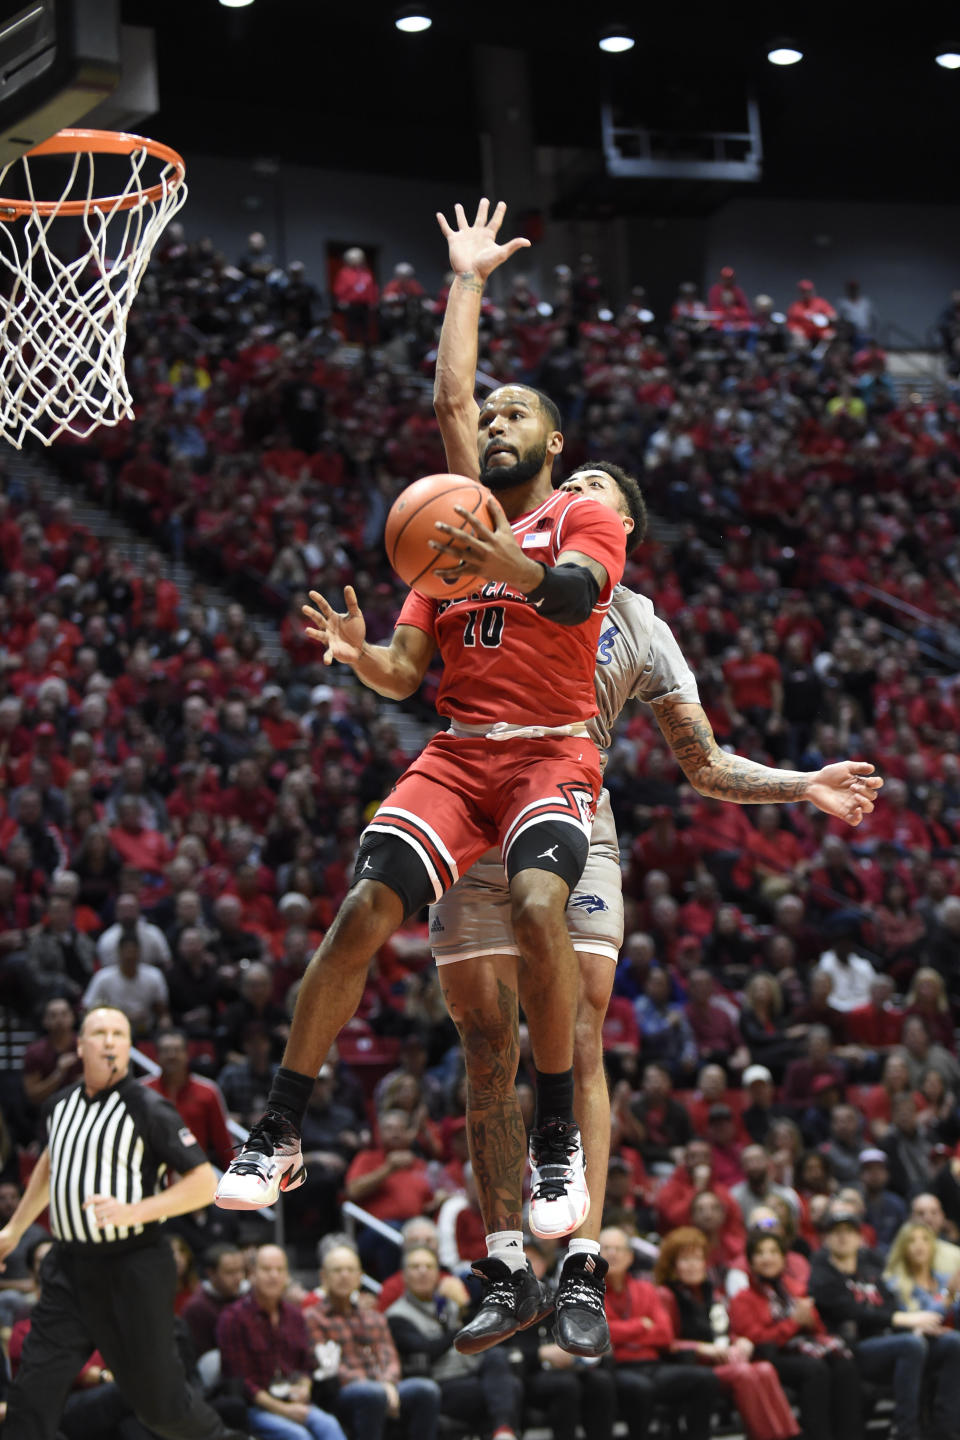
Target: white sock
pixel 507 1245
pixel 583 1247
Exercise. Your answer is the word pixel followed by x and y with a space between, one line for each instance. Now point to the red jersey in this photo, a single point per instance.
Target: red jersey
pixel 502 660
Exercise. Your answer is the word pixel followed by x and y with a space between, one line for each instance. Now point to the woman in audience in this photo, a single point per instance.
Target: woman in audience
pixel 927 997
pixel 785 1144
pixel 765 1033
pixel 702 1331
pixel 405 1092
pixel 814 1184
pixel 877 1103
pixel 776 1313
pixel 910 1273
pixel 187 1277
pixel 897 930
pixel 98 865
pixel 775 1217
pixel 939 1121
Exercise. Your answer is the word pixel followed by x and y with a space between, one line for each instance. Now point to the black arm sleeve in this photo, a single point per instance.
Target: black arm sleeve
pixel 566 594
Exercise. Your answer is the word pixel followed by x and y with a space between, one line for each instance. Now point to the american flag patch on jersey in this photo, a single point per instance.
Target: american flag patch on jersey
pixel 187 1137
pixel 535 540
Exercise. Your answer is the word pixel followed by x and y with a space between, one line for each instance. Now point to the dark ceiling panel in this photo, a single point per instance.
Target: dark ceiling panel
pixel 866 115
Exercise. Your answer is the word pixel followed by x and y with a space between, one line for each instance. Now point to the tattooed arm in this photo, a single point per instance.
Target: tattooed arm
pixel 846 790
pixel 474 254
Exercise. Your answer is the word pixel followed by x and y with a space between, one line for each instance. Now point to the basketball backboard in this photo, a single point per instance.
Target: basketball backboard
pixel 58 59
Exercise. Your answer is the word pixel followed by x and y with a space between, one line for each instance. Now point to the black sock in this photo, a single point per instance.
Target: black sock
pixel 554 1097
pixel 290 1094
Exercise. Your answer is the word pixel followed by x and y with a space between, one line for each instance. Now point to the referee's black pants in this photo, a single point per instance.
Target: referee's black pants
pixel 122 1305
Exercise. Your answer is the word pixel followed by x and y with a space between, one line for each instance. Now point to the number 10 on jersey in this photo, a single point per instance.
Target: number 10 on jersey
pixel 487 625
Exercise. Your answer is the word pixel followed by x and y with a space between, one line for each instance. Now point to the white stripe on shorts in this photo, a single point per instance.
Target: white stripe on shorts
pixel 597 947
pixel 427 830
pixel 432 875
pixel 477 954
pixel 582 947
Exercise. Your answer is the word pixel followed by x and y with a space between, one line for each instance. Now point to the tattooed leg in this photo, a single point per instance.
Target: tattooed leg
pixel 481 996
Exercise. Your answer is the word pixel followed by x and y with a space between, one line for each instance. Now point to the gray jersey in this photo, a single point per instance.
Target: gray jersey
pixel 637 659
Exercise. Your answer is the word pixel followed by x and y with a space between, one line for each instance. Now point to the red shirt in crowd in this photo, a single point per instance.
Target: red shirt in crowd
pixel 751 679
pixel 200 1106
pixel 640 1327
pixel 401 1195
pixel 19 1334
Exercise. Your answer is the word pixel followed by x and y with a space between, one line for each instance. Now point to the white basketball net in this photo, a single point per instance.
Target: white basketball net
pixel 63 321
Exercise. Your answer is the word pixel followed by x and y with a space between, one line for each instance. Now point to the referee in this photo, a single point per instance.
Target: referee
pixel 108 1282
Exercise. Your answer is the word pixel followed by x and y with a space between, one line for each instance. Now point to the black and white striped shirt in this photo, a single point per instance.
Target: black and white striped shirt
pixel 120 1142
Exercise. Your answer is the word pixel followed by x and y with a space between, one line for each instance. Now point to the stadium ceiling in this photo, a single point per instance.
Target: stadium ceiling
pixel 867 115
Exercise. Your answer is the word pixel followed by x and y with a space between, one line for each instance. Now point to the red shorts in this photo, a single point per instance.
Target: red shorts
pixel 536 799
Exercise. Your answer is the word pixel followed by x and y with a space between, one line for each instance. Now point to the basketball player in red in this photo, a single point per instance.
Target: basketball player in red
pixel 515 769
pixel 470 936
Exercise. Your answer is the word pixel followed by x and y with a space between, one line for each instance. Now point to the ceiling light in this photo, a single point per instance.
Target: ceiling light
pixel 412 22
pixel 784 55
pixel 236 4
pixel 615 40
pixel 948 59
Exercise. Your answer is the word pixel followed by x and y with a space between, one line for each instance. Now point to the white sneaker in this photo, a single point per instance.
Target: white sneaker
pixel 271 1160
pixel 559 1201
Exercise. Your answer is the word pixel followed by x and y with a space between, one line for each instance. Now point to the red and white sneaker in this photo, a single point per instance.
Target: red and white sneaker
pixel 559 1200
pixel 271 1160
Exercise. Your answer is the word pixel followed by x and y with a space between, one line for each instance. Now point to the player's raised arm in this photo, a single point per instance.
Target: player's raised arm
pixel 847 789
pixel 474 255
pixel 395 670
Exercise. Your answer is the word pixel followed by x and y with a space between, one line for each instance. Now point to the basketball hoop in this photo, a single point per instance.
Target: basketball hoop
pixel 63 316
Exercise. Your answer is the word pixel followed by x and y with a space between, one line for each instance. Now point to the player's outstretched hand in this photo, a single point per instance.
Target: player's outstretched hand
pixel 342 635
pixel 473 248
pixel 489 551
pixel 847 790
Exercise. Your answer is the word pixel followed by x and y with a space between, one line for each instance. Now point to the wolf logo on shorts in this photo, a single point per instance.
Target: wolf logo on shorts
pixel 592 904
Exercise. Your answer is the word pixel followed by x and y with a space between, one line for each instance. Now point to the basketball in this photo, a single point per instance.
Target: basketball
pixel 410 528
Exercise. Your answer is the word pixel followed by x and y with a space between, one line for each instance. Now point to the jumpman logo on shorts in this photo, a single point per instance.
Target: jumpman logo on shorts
pixel 365 865
pixel 550 854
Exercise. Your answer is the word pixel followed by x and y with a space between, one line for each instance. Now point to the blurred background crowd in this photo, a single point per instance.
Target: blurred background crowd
pixel 181 792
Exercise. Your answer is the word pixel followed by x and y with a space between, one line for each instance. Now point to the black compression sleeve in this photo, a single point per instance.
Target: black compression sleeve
pixel 566 594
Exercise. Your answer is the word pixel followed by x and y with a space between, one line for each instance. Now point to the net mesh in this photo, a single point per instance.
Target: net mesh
pixel 66 287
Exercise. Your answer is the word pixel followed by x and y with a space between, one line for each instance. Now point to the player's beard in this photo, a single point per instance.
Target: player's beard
pixel 507 477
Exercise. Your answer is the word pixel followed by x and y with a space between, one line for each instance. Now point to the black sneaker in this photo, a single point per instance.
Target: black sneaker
pixel 270 1161
pixel 512 1300
pixel 581 1324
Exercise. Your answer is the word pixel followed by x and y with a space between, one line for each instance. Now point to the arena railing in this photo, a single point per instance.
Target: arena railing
pixel 950 633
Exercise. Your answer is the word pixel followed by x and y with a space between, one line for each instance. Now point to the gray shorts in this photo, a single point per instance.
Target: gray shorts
pixel 473 917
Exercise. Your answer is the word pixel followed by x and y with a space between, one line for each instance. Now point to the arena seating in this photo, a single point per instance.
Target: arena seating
pixel 803 550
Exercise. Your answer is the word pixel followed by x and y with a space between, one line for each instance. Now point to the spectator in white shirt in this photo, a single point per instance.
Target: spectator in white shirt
pixel 852 975
pixel 138 990
pixel 154 949
pixel 858 311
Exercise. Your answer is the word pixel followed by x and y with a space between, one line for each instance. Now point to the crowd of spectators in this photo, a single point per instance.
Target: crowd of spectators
pixel 179 814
